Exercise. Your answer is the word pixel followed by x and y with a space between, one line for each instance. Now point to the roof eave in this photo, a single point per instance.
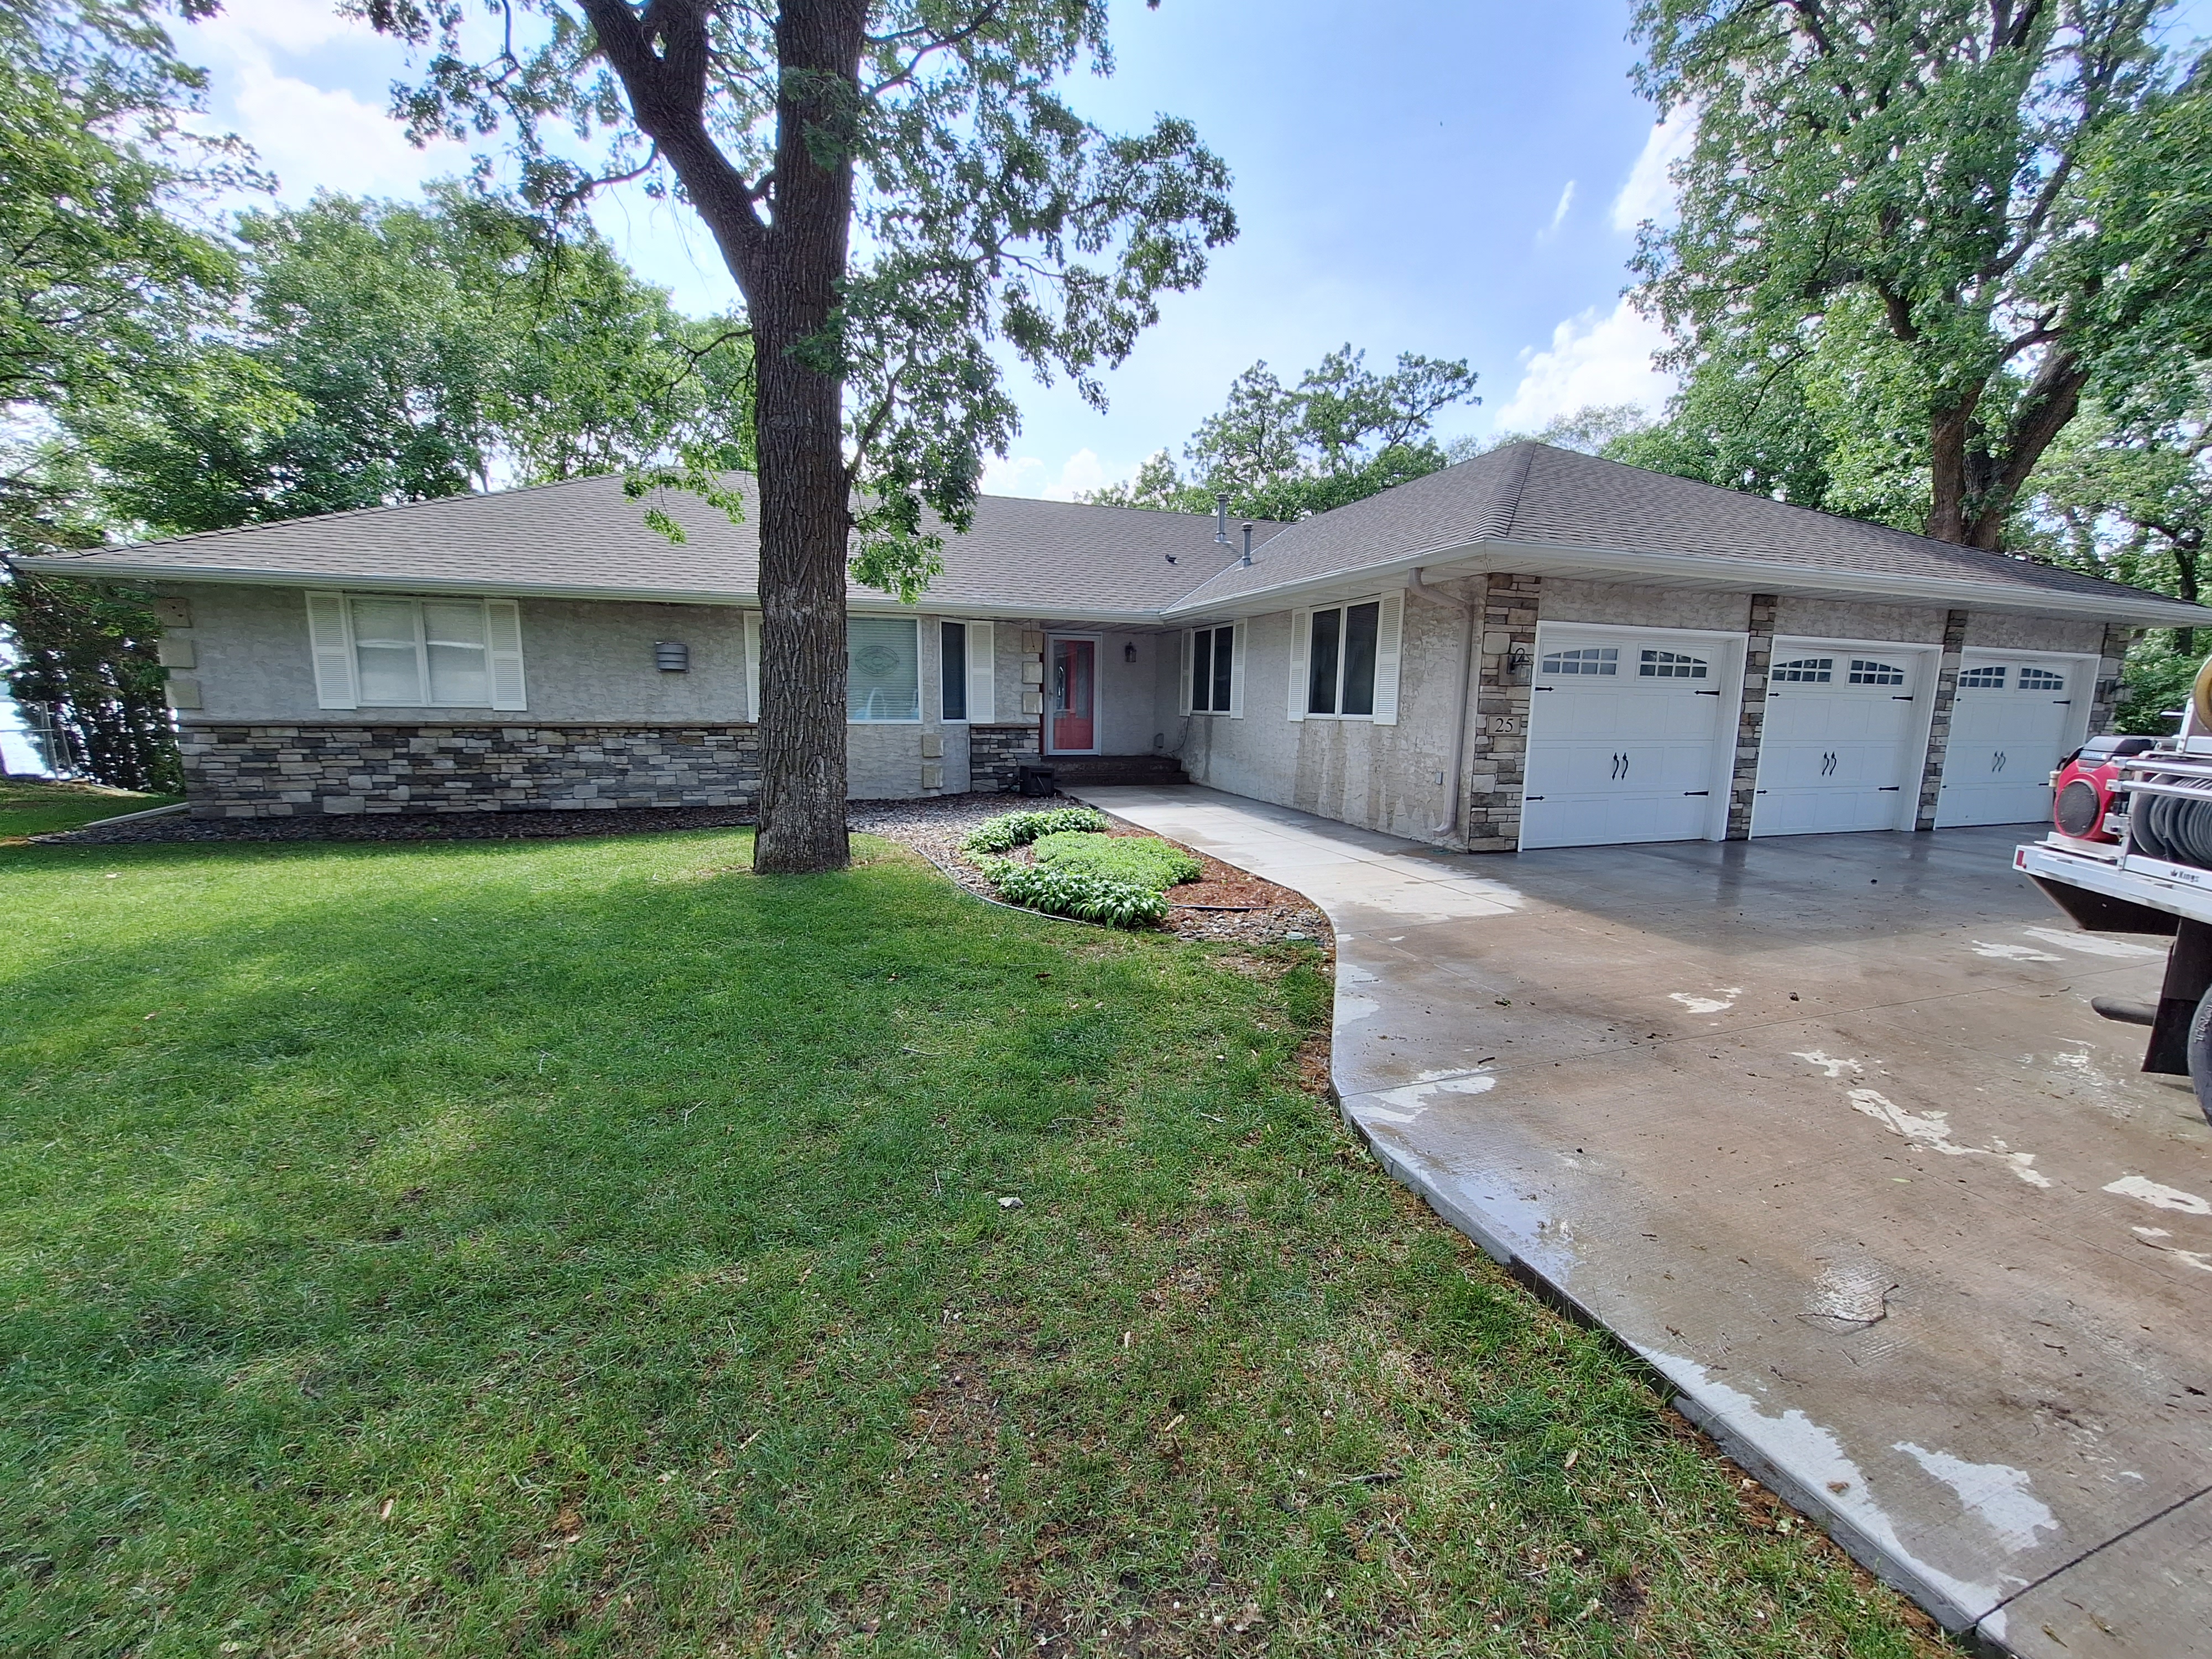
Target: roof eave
pixel 125 569
pixel 1729 570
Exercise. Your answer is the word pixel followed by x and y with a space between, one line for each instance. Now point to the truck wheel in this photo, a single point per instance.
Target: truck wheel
pixel 2200 1054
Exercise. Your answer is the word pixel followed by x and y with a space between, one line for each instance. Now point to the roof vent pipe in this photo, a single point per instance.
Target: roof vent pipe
pixel 1221 518
pixel 1248 543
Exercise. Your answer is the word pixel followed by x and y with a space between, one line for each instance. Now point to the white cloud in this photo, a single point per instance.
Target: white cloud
pixel 1593 358
pixel 1027 475
pixel 1558 213
pixel 1649 192
pixel 293 25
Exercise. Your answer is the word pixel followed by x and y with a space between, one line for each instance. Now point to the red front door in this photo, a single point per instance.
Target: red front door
pixel 1074 696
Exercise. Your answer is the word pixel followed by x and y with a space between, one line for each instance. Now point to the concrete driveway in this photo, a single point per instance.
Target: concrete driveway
pixel 1824 1128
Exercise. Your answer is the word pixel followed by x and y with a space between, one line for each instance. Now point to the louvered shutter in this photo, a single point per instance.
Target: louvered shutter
pixel 1182 697
pixel 1301 644
pixel 1387 652
pixel 329 642
pixel 752 666
pixel 1238 634
pixel 503 632
pixel 982 669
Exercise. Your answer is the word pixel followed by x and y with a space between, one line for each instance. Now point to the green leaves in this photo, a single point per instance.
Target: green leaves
pixel 1090 895
pixel 1145 859
pixel 1011 829
pixel 1942 221
pixel 1342 434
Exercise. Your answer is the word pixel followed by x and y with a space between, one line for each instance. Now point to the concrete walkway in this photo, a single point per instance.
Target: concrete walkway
pixel 1824 1127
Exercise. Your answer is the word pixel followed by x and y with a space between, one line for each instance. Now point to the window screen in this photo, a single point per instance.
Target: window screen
pixel 1212 669
pixel 952 669
pixel 882 678
pixel 1327 661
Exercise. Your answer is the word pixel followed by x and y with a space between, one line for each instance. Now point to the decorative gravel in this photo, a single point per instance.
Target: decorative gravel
pixel 1226 904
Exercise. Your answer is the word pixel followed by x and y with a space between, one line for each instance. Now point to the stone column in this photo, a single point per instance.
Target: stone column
pixel 2114 658
pixel 1498 735
pixel 1751 719
pixel 1938 727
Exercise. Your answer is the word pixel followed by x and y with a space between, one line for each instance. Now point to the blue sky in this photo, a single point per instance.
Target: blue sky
pixel 1430 177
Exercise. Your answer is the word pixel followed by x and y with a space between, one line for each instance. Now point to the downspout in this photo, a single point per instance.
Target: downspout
pixel 1419 585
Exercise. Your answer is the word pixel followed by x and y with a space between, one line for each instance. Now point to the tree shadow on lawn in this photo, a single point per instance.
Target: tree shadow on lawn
pixel 589 1244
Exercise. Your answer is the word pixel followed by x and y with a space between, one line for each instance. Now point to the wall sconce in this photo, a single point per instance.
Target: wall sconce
pixel 1516 661
pixel 1129 652
pixel 672 657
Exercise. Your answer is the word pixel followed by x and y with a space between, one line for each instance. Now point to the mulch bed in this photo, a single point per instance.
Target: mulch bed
pixel 1226 903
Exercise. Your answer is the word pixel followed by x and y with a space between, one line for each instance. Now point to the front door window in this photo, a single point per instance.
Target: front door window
pixel 1075 693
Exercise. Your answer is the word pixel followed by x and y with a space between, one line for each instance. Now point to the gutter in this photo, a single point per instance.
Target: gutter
pixel 1417 583
pixel 1721 572
pixel 232 575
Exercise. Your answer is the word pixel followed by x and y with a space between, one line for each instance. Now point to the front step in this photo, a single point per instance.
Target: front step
pixel 1079 771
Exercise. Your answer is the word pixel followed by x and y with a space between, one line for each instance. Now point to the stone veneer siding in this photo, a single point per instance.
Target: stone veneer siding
pixel 1751 719
pixel 2118 639
pixel 1498 737
pixel 287 771
pixel 995 756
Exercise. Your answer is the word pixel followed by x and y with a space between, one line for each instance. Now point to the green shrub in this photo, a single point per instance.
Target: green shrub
pixel 1142 859
pixel 1060 891
pixel 1011 829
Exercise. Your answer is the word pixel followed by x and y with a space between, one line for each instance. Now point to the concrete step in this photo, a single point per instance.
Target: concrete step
pixel 1091 770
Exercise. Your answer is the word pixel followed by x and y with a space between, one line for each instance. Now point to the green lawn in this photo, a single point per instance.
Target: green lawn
pixel 588 1247
pixel 35 806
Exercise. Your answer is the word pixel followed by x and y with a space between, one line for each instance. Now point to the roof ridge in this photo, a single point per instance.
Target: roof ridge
pixel 1505 506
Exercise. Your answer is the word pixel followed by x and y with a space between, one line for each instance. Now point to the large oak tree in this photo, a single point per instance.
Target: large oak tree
pixel 895 187
pixel 1939 224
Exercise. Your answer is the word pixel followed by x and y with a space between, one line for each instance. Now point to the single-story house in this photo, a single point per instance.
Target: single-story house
pixel 1533 648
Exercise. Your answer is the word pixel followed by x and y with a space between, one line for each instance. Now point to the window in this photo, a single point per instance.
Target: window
pixel 1808 670
pixel 2041 679
pixel 1671 665
pixel 1866 672
pixel 952 668
pixel 882 669
pixel 1983 679
pixel 1341 672
pixel 1212 669
pixel 385 652
pixel 1591 660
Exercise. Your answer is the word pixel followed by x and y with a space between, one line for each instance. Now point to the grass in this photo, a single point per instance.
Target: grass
pixel 1144 860
pixel 592 1248
pixel 38 806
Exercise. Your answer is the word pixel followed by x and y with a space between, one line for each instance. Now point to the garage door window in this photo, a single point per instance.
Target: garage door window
pixel 1982 679
pixel 1671 665
pixel 1808 670
pixel 1591 659
pixel 1864 672
pixel 2041 679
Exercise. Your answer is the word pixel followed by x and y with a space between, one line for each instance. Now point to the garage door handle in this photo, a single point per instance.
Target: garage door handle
pixel 1697 792
pixel 1532 798
pixel 1889 788
pixel 1898 699
pixel 1708 694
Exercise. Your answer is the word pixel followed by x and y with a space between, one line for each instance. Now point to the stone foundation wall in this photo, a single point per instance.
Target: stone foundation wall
pixel 995 755
pixel 287 771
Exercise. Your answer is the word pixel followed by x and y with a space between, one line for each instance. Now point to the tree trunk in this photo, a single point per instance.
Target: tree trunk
pixel 2185 553
pixel 806 513
pixel 1947 480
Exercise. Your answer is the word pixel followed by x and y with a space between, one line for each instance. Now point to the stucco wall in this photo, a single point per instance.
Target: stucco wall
pixel 1566 600
pixel 1841 619
pixel 1999 630
pixel 1380 777
pixel 580 661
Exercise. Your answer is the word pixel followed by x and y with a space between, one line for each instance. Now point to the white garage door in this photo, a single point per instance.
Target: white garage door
pixel 1624 735
pixel 2011 723
pixel 1842 740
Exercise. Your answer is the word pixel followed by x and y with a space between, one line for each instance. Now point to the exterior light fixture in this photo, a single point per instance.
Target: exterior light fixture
pixel 1129 652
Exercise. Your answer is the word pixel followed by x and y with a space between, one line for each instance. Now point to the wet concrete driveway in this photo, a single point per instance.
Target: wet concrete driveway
pixel 1824 1126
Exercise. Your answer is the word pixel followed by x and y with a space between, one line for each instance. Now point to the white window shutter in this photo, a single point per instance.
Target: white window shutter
pixel 1237 634
pixel 1388 650
pixel 1182 697
pixel 983 667
pixel 1301 643
pixel 329 642
pixel 752 666
pixel 503 631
